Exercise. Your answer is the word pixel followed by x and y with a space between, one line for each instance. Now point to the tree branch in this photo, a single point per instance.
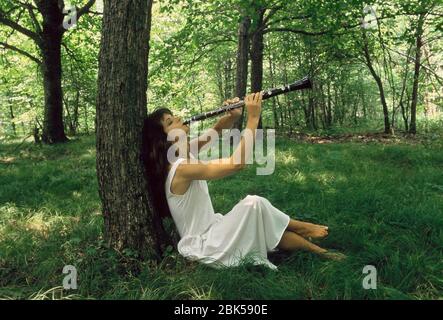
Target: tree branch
pixel 22 52
pixel 31 9
pixel 95 13
pixel 85 9
pixel 302 17
pixel 14 25
pixel 437 77
pixel 335 31
pixel 271 13
pixel 298 31
pixel 27 5
pixel 71 54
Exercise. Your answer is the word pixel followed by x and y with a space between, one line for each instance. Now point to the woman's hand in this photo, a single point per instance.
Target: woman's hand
pixel 235 114
pixel 253 104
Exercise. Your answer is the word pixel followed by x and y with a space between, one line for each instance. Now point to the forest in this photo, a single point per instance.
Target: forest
pixel 362 150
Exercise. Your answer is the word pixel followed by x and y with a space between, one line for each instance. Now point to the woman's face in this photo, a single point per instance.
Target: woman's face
pixel 170 122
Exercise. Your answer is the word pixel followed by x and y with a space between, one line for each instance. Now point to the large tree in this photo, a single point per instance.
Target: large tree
pixel 45 23
pixel 121 108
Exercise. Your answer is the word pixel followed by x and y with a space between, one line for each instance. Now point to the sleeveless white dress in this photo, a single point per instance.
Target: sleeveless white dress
pixel 251 229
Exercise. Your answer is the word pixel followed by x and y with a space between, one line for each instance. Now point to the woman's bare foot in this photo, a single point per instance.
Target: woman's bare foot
pixel 309 230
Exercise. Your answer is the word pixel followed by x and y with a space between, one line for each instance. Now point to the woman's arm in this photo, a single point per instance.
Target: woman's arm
pixel 219 168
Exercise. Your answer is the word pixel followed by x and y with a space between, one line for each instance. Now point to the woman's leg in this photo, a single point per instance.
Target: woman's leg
pixel 291 241
pixel 307 230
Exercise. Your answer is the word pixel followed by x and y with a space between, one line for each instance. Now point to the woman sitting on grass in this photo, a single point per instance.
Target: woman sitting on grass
pixel 252 228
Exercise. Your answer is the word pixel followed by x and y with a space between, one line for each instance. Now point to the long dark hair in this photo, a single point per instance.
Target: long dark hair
pixel 154 151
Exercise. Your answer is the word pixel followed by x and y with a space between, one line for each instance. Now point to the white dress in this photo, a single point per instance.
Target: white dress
pixel 251 229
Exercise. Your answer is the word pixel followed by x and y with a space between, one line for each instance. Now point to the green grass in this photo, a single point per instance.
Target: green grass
pixel 383 203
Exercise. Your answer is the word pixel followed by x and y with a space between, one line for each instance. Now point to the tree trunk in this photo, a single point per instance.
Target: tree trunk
pixel 53 129
pixel 306 111
pixel 379 84
pixel 274 102
pixel 86 118
pixel 72 119
pixel 76 115
pixel 121 109
pixel 414 97
pixel 228 77
pixel 404 111
pixel 329 108
pixel 257 48
pixel 323 116
pixel 242 64
pixel 11 113
pixel 312 113
pixel 51 41
pixel 219 79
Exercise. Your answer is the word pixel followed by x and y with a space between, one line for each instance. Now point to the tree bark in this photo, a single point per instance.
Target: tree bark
pixel 121 109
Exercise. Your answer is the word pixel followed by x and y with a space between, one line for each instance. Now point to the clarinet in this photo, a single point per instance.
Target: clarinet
pixel 304 83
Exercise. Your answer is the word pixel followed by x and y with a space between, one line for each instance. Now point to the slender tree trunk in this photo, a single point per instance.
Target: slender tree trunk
pixel 242 64
pixel 312 111
pixel 228 77
pixel 402 94
pixel 379 84
pixel 86 119
pixel 329 108
pixel 306 111
pixel 323 116
pixel 68 124
pixel 274 106
pixel 283 112
pixel 11 113
pixel 121 109
pixel 414 97
pixel 220 79
pixel 76 115
pixel 257 48
pixel 72 119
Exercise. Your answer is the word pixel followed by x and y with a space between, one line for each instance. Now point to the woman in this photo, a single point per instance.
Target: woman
pixel 252 228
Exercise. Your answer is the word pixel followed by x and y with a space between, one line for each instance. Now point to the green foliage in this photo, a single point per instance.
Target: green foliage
pixel 192 62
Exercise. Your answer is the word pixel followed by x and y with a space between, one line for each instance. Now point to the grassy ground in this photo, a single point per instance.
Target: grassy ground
pixel 383 203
